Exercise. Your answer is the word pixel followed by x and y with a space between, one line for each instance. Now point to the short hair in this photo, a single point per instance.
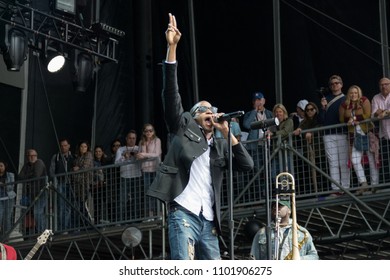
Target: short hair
pixel 116 140
pixel 64 139
pixel 132 132
pixel 30 150
pixel 335 77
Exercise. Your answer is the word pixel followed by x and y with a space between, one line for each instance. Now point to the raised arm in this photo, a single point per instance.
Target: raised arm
pixel 173 36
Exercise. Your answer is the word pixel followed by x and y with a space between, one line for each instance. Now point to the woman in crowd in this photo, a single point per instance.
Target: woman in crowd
pixel 99 190
pixel 83 179
pixel 286 126
pixel 150 152
pixel 355 109
pixel 310 121
pixel 7 197
pixel 308 146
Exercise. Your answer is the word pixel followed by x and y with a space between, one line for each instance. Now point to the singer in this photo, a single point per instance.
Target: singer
pixel 190 178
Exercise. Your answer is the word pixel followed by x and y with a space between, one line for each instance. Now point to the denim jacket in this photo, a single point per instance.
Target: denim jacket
pixel 249 118
pixel 306 252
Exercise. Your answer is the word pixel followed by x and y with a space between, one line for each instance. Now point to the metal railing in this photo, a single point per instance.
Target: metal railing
pixel 100 197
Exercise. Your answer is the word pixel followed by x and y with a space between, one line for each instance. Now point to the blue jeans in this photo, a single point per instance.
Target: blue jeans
pixel 150 203
pixel 191 236
pixel 63 206
pixel 126 199
pixel 6 214
pixel 257 155
pixel 40 213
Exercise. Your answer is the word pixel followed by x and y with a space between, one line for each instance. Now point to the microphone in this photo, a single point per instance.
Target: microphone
pixel 265 123
pixel 229 116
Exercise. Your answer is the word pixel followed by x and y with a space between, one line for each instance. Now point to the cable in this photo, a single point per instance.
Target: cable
pixel 333 33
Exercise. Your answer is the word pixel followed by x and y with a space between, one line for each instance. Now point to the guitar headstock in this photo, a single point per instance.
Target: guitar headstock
pixel 44 236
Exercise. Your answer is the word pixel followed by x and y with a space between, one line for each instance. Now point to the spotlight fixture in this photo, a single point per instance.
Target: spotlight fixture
pixel 55 62
pixel 54 56
pixel 13 44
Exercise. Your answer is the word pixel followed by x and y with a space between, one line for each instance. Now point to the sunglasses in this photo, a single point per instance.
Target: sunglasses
pixel 310 109
pixel 335 83
pixel 203 109
pixel 148 130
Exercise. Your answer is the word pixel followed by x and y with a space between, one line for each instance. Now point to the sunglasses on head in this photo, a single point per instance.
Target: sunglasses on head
pixel 203 109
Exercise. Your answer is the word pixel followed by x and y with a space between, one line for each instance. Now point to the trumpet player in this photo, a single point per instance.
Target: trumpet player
pixel 281 235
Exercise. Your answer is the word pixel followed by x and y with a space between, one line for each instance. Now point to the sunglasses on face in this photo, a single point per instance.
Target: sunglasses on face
pixel 148 130
pixel 310 109
pixel 203 109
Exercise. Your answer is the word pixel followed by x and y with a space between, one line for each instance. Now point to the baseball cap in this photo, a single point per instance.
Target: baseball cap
pixel 257 95
pixel 302 104
pixel 284 202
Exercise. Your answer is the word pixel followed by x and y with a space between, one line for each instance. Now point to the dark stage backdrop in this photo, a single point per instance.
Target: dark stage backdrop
pixel 235 57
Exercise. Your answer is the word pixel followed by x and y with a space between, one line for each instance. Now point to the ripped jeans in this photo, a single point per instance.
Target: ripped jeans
pixel 191 236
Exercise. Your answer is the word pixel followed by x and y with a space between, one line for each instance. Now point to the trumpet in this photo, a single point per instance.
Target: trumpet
pixel 285 186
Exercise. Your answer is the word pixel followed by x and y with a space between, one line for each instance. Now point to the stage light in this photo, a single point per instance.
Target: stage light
pixel 55 62
pixel 82 71
pixel 54 55
pixel 13 47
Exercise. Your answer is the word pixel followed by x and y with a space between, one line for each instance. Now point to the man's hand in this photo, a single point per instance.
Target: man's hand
pixel 223 127
pixel 172 34
pixel 381 113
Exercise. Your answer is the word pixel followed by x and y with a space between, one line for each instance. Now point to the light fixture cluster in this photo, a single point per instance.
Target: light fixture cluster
pixel 56 38
pixel 13 45
pixel 81 64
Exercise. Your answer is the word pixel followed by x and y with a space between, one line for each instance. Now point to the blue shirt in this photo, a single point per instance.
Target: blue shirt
pixel 234 129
